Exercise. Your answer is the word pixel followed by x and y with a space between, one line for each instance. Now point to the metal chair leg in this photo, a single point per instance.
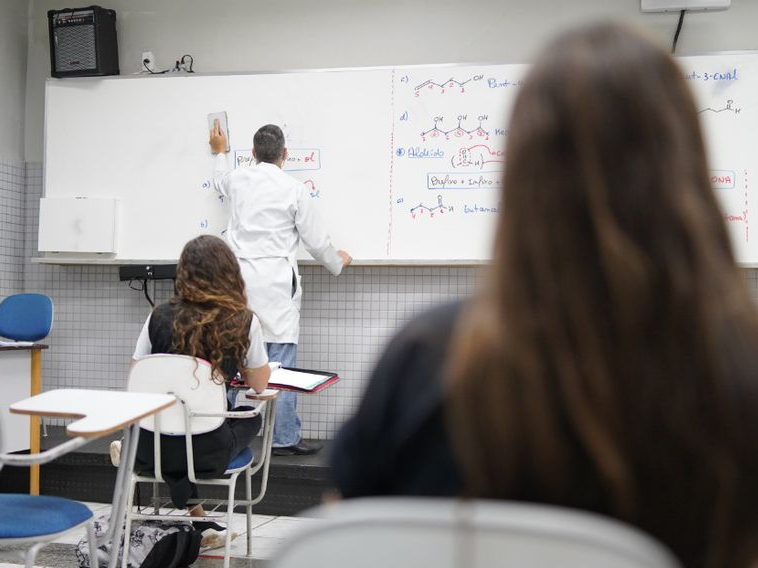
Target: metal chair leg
pixel 128 525
pixel 31 554
pixel 249 511
pixel 229 519
pixel 156 499
pixel 92 537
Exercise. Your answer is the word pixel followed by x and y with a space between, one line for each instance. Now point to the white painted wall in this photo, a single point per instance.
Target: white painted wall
pixel 13 40
pixel 249 35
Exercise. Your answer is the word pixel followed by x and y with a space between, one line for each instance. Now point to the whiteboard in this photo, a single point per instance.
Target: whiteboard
pixel 726 91
pixel 404 164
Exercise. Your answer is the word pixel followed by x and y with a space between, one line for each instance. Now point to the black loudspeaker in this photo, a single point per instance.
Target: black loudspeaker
pixel 83 42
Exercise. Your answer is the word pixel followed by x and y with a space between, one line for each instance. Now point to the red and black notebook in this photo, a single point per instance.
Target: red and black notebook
pixel 292 379
pixel 298 380
pixel 301 380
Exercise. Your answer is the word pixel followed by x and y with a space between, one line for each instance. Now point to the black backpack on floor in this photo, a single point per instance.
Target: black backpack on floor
pixel 153 544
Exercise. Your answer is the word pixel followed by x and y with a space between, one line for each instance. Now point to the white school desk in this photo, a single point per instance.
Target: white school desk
pixel 102 412
pixel 20 377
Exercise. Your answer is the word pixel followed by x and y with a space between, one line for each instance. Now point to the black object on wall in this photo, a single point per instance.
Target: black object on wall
pixel 83 42
pixel 147 272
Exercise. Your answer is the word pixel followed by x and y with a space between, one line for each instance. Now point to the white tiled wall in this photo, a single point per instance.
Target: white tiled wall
pixel 751 277
pixel 345 323
pixel 12 188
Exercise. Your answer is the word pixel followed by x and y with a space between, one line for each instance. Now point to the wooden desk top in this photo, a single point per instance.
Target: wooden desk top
pixel 23 347
pixel 101 412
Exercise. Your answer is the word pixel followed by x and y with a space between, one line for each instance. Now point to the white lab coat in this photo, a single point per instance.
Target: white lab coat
pixel 270 213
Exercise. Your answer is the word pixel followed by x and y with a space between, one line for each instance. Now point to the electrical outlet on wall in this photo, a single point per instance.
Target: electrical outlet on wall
pixel 148 61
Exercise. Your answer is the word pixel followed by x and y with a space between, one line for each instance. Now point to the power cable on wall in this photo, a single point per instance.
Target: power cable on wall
pixel 678 31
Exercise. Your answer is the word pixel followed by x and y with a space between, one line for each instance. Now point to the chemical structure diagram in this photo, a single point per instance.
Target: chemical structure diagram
pixel 458 131
pixel 477 156
pixel 440 208
pixel 451 85
pixel 727 108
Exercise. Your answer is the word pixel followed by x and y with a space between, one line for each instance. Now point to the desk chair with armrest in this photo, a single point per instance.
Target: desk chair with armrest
pixel 201 409
pixel 450 533
pixel 33 521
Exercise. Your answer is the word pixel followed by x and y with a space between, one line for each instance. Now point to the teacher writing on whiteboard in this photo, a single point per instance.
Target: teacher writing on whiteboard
pixel 271 212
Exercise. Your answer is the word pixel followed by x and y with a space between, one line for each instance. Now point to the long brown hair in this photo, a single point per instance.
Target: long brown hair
pixel 212 320
pixel 610 359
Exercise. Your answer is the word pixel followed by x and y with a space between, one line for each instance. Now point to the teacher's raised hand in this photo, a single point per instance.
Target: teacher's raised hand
pixel 217 138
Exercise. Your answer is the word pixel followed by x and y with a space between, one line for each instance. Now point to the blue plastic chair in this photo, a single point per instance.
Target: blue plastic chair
pixel 32 521
pixel 26 317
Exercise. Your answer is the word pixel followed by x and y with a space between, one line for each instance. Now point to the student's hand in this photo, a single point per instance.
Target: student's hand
pixel 217 138
pixel 346 258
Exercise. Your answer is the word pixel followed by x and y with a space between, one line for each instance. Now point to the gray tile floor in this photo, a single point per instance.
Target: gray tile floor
pixel 62 556
pixel 269 533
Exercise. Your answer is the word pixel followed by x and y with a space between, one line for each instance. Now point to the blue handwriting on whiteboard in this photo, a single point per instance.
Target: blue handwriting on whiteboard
pixel 463 180
pixel 504 84
pixel 730 75
pixel 479 209
pixel 418 152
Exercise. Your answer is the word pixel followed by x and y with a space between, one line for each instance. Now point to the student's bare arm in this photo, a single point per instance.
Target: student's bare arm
pixel 257 379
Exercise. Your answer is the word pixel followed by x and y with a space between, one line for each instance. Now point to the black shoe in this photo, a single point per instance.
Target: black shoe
pixel 302 448
pixel 205 525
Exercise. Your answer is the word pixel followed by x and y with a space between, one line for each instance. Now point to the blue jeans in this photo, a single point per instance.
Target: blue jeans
pixel 287 424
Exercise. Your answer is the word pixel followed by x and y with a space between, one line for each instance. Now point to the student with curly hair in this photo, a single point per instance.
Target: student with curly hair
pixel 207 318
